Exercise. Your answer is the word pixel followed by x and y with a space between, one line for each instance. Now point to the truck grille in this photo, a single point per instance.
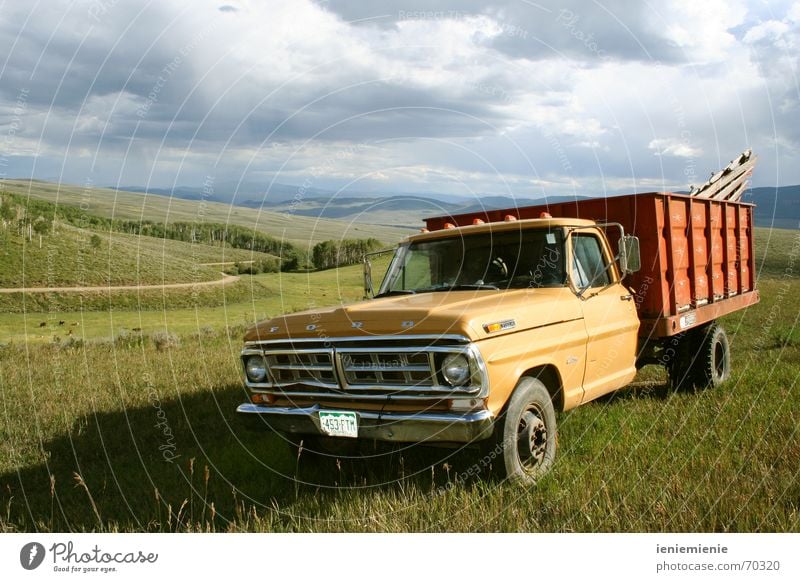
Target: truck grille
pixel 304 367
pixel 348 369
pixel 390 368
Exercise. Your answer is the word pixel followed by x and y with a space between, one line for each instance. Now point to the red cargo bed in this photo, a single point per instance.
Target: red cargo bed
pixel 697 253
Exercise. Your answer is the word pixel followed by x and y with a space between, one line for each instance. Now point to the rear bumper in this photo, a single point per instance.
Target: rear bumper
pixel 386 426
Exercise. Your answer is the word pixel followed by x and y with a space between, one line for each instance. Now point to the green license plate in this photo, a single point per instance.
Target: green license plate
pixel 338 423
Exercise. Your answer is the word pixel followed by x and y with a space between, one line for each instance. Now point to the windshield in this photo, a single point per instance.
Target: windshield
pixel 511 259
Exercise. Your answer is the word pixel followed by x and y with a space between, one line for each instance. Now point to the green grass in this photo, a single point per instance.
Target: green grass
pixel 66 258
pixel 301 230
pixel 251 299
pixel 86 427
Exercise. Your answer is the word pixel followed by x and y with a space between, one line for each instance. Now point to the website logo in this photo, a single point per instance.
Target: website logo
pixel 31 555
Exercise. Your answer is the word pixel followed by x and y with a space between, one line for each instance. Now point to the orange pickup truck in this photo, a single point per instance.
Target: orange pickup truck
pixel 489 324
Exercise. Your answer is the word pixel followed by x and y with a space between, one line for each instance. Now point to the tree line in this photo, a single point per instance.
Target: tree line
pixel 336 253
pixel 40 214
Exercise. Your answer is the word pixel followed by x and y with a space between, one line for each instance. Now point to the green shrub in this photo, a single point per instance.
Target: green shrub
pixel 165 340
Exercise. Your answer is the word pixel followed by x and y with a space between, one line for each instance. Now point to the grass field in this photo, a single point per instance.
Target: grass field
pixel 252 298
pixel 300 230
pixel 129 434
pixel 66 258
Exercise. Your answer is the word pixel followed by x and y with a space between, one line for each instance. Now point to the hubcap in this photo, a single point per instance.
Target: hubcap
pixel 531 438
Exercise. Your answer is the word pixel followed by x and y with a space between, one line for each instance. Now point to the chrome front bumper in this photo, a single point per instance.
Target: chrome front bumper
pixel 384 426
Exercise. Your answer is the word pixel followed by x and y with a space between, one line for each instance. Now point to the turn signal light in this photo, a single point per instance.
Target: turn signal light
pixel 510 218
pixel 262 399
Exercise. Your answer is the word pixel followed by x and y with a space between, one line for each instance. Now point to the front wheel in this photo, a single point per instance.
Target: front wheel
pixel 527 433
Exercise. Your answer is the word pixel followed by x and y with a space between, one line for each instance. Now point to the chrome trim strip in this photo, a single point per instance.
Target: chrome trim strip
pixel 375 338
pixel 387 426
pixel 318 367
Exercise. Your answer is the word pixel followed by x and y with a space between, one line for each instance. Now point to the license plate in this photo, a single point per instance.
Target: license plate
pixel 338 423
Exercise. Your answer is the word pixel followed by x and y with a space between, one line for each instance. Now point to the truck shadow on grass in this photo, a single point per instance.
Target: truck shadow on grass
pixel 190 464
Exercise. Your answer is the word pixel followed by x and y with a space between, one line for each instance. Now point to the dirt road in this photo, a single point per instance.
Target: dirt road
pixel 226 279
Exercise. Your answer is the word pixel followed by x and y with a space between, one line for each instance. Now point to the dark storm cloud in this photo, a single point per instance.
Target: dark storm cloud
pixel 590 31
pixel 135 65
pixel 559 92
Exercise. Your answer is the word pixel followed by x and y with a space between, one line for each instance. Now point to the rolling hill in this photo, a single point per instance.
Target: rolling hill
pixel 68 257
pixel 301 230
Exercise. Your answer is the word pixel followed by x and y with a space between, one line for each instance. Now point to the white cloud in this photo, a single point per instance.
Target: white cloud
pixel 674 147
pixel 770 30
pixel 499 94
pixel 701 29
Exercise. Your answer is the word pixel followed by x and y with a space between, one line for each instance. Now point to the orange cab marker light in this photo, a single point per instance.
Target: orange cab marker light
pixel 477 221
pixel 510 218
pixel 449 225
pixel 545 215
pixel 424 230
pixel 499 325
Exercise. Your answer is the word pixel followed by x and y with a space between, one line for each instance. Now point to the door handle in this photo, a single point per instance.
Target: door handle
pixel 627 297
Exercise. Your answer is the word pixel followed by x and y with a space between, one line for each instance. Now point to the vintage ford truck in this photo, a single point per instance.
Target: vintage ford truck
pixel 489 324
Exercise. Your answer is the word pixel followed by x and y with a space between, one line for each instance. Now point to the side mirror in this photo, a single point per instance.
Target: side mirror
pixel 629 257
pixel 369 292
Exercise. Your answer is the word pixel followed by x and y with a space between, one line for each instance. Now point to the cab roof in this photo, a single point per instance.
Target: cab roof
pixel 529 223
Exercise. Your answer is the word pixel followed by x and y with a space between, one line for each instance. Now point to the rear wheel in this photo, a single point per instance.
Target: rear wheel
pixel 678 359
pixel 526 433
pixel 713 361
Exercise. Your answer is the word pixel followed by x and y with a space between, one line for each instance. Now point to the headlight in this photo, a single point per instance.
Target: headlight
pixel 256 368
pixel 455 369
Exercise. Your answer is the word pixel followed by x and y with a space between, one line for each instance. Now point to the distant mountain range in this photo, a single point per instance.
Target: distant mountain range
pixel 778 207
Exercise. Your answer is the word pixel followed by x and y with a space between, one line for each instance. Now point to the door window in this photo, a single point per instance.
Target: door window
pixel 589 267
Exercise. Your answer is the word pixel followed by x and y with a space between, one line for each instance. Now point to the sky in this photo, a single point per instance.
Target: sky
pixel 471 97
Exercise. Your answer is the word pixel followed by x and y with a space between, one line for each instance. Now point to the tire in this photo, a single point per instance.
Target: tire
pixel 681 353
pixel 525 434
pixel 712 365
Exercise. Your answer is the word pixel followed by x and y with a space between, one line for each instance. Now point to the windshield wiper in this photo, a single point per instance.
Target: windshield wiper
pixel 465 287
pixel 395 292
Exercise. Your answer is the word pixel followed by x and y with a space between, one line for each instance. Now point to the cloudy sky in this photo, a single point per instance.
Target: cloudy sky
pixel 462 97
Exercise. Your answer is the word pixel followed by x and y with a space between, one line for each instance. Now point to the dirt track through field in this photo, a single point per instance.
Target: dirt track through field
pixel 226 279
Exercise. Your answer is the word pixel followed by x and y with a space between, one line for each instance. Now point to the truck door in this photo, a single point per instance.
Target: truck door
pixel 609 314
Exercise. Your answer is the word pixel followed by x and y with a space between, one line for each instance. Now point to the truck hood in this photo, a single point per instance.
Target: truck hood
pixel 456 312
